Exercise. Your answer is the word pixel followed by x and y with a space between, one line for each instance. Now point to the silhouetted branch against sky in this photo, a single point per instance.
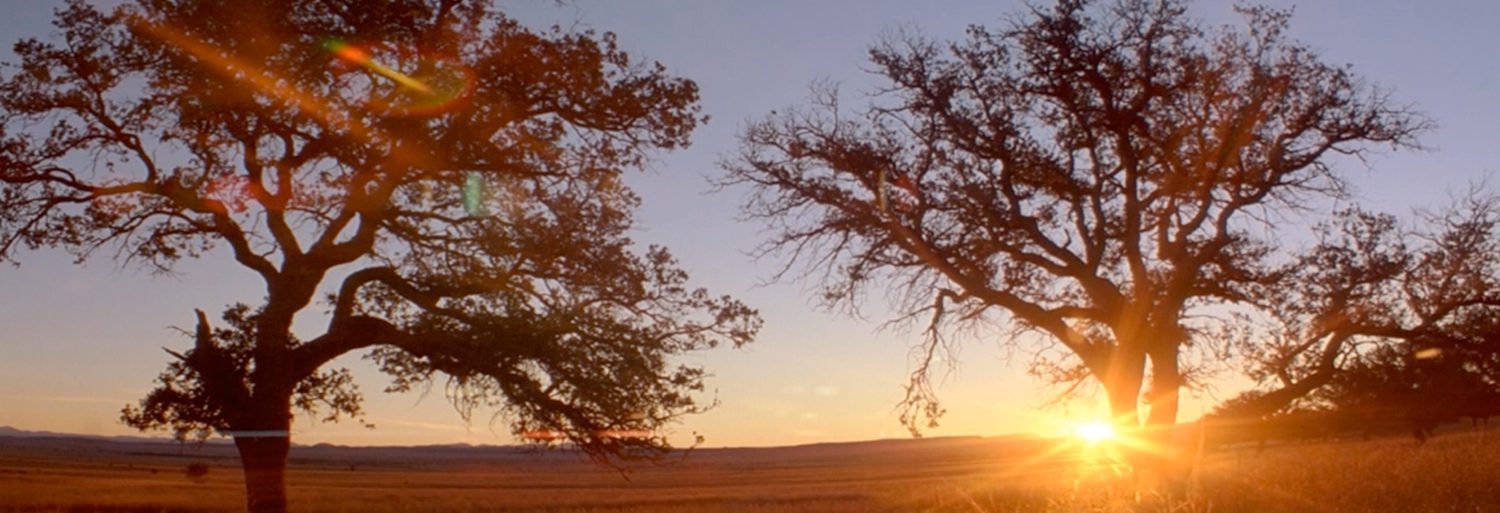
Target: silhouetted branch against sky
pixel 292 133
pixel 1086 172
pixel 1373 287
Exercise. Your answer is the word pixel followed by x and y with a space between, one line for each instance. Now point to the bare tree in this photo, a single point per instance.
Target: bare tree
pixel 356 147
pixel 1103 175
pixel 1374 293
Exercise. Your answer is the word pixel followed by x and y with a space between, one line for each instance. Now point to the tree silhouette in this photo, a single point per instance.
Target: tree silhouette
pixel 353 151
pixel 1103 175
pixel 1370 298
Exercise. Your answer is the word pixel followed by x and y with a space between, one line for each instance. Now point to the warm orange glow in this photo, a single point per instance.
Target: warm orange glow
pixel 355 55
pixel 269 83
pixel 261 79
pixel 549 435
pixel 351 53
pixel 1095 432
pixel 543 435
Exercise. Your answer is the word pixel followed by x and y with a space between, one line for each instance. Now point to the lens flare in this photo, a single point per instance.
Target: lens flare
pixel 474 194
pixel 358 56
pixel 263 80
pixel 436 87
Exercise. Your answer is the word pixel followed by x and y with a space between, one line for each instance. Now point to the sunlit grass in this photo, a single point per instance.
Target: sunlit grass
pixel 1455 472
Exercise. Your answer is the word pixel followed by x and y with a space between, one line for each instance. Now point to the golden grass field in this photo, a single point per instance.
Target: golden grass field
pixel 1458 472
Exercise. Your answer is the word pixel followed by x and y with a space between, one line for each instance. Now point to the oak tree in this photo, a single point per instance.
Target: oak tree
pixel 446 178
pixel 1103 174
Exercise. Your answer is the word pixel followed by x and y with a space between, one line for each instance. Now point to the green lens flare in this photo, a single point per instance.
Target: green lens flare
pixel 474 195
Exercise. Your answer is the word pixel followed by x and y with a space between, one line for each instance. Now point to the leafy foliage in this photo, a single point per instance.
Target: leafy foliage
pixel 199 393
pixel 169 129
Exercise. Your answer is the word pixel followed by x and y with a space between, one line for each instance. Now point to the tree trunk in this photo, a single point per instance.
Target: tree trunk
pixel 1122 385
pixel 1166 389
pixel 1172 458
pixel 1152 454
pixel 263 437
pixel 264 430
pixel 1123 404
pixel 264 456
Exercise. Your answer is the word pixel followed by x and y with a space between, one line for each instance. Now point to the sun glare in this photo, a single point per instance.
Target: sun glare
pixel 1095 432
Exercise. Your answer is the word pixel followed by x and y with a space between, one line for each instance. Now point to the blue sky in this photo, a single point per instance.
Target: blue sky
pixel 80 341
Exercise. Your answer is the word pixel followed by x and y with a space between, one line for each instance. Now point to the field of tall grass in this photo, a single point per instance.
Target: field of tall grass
pixel 1452 473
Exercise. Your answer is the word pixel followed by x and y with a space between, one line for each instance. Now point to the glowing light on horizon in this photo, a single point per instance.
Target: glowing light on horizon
pixel 1095 432
pixel 550 436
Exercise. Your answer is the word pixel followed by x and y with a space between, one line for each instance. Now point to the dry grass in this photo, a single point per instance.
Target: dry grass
pixel 1454 473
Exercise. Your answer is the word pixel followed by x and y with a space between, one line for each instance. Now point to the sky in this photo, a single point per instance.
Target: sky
pixel 77 342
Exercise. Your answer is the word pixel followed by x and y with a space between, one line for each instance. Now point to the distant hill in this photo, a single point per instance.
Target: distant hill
pixel 10 432
pixel 958 448
pixel 836 447
pixel 877 456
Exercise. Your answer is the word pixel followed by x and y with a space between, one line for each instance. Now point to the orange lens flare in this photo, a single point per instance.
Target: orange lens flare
pixel 262 80
pixel 267 82
pixel 350 53
pixel 439 87
pixel 358 56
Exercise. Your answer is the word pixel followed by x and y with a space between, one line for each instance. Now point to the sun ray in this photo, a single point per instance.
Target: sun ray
pixel 281 88
pixel 263 80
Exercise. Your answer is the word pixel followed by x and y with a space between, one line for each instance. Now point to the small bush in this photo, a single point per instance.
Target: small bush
pixel 196 471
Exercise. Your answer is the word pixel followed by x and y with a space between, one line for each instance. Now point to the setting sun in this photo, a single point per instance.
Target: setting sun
pixel 1095 432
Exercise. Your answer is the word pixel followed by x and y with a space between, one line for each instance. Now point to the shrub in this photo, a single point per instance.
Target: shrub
pixel 196 471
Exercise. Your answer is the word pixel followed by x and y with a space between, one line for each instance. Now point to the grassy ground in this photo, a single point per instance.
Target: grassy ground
pixel 1453 473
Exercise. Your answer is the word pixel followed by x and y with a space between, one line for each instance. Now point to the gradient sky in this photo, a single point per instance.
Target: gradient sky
pixel 79 342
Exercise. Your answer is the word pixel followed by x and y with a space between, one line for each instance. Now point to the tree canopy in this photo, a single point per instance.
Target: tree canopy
pixel 447 179
pixel 1100 173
